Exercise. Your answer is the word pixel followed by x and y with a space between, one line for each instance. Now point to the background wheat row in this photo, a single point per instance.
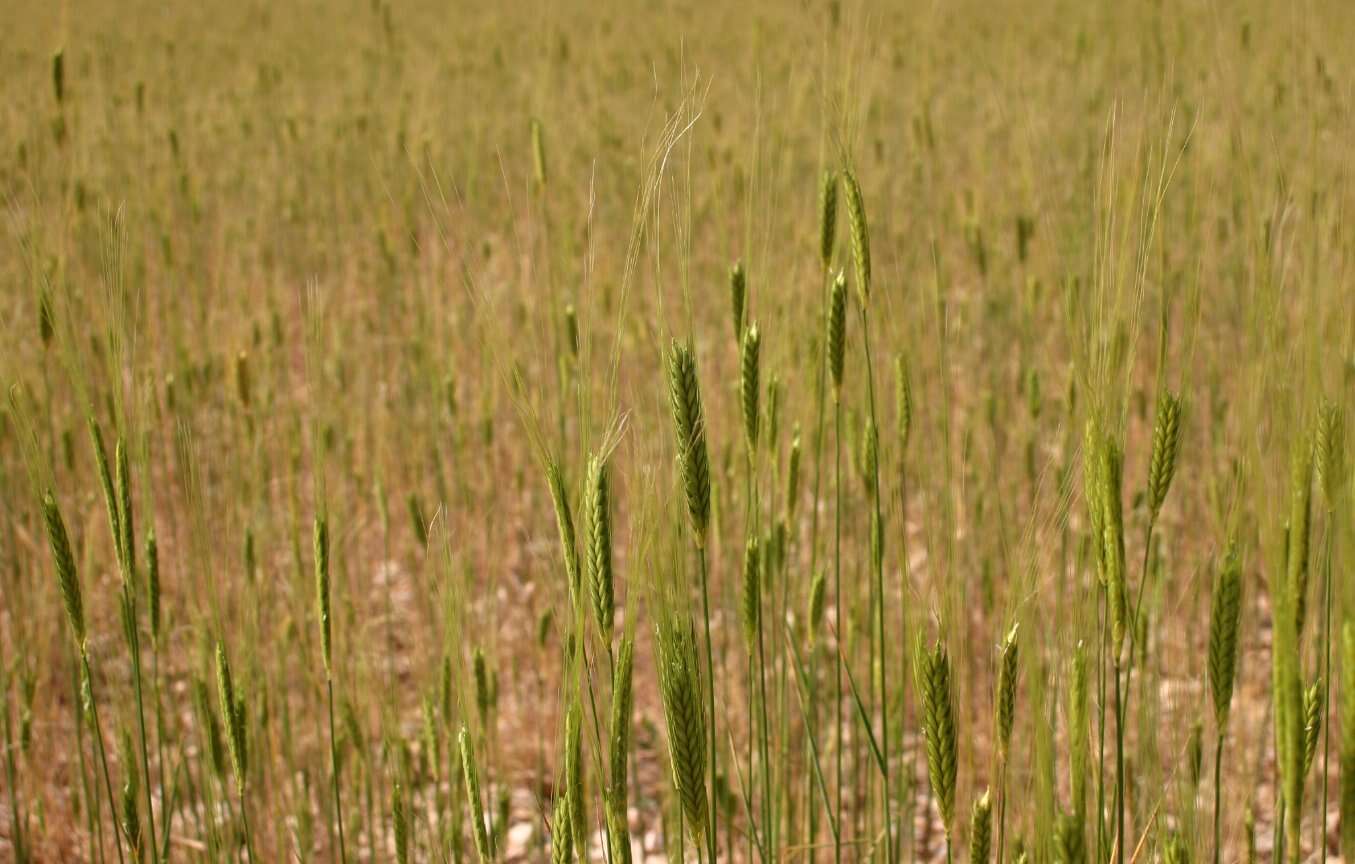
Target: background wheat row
pixel 749 432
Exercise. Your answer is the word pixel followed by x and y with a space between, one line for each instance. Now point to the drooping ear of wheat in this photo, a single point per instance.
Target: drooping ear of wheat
pixel 827 218
pixel 471 775
pixel 749 386
pixel 600 577
pixel 738 297
pixel 860 232
pixel 1223 629
pixel 232 714
pixel 1166 444
pixel 680 692
pixel 981 830
pixel 690 425
pixel 64 561
pixel 1312 723
pixel 837 332
pixel 1331 452
pixel 564 522
pixel 932 673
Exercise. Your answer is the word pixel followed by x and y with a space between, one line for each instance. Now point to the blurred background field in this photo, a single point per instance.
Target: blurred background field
pixel 385 261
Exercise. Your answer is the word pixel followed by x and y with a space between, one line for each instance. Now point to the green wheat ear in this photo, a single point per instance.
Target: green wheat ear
pixel 903 401
pixel 981 830
pixel 471 775
pixel 1312 723
pixel 856 218
pixel 1176 850
pixel 749 385
pixel 153 584
pixel 59 76
pixel 1006 693
pixel 564 522
pixel 538 152
pixel 1112 529
pixel 738 297
pixel 680 692
pixel 827 217
pixel 1079 742
pixel 1070 845
pixel 1223 630
pixel 1166 445
pixel 793 473
pixel 561 848
pixel 600 574
pixel 233 716
pixel 67 580
pixel 622 706
pixel 689 423
pixel 1091 491
pixel 751 606
pixel 322 590
pixel 932 673
pixel 837 332
pixel 1331 454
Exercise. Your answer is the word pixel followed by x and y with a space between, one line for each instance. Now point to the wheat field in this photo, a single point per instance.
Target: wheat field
pixel 814 431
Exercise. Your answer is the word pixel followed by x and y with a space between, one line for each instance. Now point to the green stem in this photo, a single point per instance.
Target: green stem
pixel 334 772
pixel 1218 797
pixel 103 755
pixel 710 704
pixel 134 645
pixel 1119 765
pixel 837 608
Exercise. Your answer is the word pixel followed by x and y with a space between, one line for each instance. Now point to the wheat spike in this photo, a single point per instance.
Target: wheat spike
pixel 600 577
pixel 748 385
pixel 621 718
pixel 685 396
pixel 578 804
pixel 471 775
pixel 981 830
pixel 1166 444
pixel 793 474
pixel 938 727
pixel 538 134
pixel 818 593
pixel 1223 629
pixel 67 580
pixel 1112 528
pixel 1070 845
pixel 1300 523
pixel 153 584
pixel 401 819
pixel 738 297
pixel 751 606
pixel 564 522
pixel 1006 692
pixel 1331 452
pixel 903 401
pixel 321 546
pixel 680 692
pixel 827 217
pixel 233 717
pixel 561 849
pixel 860 233
pixel 1079 743
pixel 1312 723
